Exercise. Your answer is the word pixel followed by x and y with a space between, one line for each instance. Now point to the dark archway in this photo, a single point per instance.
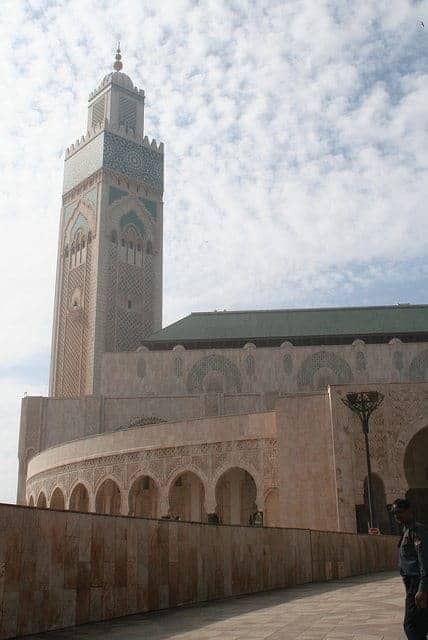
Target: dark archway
pixel 143 498
pixel 416 470
pixel 57 500
pixel 108 499
pixel 79 499
pixel 236 494
pixel 41 500
pixel 381 515
pixel 187 498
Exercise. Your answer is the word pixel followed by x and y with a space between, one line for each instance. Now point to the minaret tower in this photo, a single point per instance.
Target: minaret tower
pixel 109 272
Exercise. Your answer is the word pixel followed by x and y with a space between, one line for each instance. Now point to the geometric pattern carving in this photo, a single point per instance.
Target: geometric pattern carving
pixel 418 368
pixel 215 363
pixel 133 160
pixel 208 461
pixel 320 360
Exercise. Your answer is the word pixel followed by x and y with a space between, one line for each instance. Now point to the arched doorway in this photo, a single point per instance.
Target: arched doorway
pixel 79 499
pixel 271 512
pixel 143 498
pixel 108 498
pixel 41 500
pixel 187 498
pixel 57 500
pixel 416 470
pixel 236 494
pixel 381 516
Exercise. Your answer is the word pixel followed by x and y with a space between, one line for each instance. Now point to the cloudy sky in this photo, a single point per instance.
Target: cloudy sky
pixel 296 148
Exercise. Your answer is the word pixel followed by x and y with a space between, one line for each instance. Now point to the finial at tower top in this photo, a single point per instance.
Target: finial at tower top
pixel 118 64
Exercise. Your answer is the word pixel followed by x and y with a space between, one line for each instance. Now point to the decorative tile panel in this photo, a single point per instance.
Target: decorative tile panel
pixel 215 363
pixel 132 218
pixel 150 205
pixel 81 223
pixel 133 160
pixel 418 369
pixel 320 360
pixel 116 194
pixel 91 197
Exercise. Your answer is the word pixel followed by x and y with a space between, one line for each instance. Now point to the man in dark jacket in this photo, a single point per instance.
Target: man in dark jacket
pixel 413 564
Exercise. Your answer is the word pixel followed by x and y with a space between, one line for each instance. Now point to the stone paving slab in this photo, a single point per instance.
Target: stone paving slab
pixel 359 608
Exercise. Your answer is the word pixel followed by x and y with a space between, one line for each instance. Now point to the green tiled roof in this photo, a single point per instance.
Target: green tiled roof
pixel 298 325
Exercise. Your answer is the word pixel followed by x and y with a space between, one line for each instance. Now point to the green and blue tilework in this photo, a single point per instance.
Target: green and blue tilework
pixel 80 223
pixel 132 218
pixel 133 160
pixel 117 194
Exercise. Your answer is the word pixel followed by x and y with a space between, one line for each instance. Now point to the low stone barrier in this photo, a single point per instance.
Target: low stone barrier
pixel 59 568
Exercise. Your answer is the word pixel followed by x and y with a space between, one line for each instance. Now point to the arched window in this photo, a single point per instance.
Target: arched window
pixel 149 248
pixel 113 236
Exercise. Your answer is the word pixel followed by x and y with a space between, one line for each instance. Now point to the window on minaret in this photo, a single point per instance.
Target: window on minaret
pixel 98 110
pixel 127 112
pixel 131 247
pixel 78 250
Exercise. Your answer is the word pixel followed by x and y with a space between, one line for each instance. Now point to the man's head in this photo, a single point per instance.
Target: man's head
pixel 402 510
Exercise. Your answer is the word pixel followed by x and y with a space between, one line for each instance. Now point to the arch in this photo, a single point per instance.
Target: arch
pixel 323 360
pixel 131 218
pixel 143 497
pixel 108 498
pixel 236 497
pixel 31 501
pixel 41 501
pixel 178 367
pixel 57 500
pixel 271 510
pixel 79 498
pixel 381 515
pixel 416 472
pixel 80 224
pixel 149 247
pixel 418 367
pixel 218 364
pixel 186 497
pixel 113 236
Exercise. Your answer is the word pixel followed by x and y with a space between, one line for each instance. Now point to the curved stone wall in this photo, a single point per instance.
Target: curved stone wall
pixel 205 449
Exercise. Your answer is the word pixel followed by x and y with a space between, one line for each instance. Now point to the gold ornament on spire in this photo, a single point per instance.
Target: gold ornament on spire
pixel 118 64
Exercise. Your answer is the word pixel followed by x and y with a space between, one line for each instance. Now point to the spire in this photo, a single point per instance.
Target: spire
pixel 118 64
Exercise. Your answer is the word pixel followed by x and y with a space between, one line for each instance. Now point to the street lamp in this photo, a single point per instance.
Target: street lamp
pixel 363 403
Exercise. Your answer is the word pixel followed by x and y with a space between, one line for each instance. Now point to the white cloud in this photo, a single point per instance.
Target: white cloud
pixel 296 152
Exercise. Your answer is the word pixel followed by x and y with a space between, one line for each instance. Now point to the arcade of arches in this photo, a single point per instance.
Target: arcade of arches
pixel 235 499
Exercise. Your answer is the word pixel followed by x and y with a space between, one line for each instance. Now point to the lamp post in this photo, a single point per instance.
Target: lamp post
pixel 363 403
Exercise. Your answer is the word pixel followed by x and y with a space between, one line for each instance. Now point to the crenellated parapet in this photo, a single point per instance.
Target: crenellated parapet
pixel 121 130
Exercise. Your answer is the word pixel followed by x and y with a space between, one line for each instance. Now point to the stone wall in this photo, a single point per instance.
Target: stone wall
pixel 284 369
pixel 62 568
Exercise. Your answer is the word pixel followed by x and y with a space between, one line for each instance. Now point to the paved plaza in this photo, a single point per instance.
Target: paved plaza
pixel 361 608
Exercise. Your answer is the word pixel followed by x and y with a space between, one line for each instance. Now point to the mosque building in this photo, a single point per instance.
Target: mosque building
pixel 232 417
